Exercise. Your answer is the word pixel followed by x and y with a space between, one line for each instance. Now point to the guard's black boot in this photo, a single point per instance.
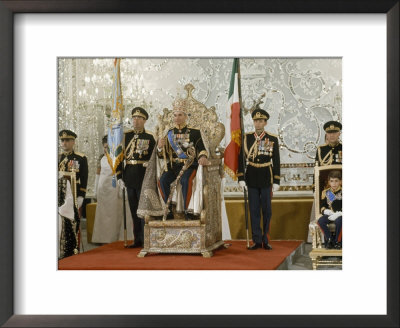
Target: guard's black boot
pixel 136 244
pixel 255 246
pixel 267 246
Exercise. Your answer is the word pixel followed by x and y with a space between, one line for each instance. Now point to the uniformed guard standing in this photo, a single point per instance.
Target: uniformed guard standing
pixel 331 152
pixel 262 176
pixel 72 161
pixel 138 147
pixel 174 147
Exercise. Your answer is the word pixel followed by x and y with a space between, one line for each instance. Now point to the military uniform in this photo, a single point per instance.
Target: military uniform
pixel 74 161
pixel 262 171
pixel 331 200
pixel 68 162
pixel 138 147
pixel 180 138
pixel 328 154
pixel 78 162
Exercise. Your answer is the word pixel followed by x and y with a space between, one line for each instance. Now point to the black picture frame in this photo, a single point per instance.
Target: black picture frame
pixel 7 11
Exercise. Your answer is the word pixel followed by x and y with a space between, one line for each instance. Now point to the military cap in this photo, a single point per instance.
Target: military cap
pixel 332 126
pixel 259 114
pixel 139 111
pixel 67 134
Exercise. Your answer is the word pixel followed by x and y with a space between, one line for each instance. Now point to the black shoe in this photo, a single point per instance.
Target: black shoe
pixel 188 216
pixel 135 245
pixel 255 246
pixel 338 246
pixel 268 247
pixel 158 218
pixel 329 244
pixel 170 216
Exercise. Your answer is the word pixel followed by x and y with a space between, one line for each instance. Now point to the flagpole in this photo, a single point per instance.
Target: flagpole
pixel 122 170
pixel 246 214
pixel 123 200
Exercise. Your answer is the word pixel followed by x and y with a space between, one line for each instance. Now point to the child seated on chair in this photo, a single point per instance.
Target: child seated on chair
pixel 331 210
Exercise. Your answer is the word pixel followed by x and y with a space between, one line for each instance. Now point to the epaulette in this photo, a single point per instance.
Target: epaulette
pixel 271 134
pixel 250 132
pixel 127 131
pixel 192 128
pixel 150 132
pixel 79 154
pixel 323 194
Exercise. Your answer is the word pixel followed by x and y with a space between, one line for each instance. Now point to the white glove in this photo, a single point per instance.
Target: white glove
pixel 328 212
pixel 121 184
pixel 80 201
pixel 243 184
pixel 275 187
pixel 334 216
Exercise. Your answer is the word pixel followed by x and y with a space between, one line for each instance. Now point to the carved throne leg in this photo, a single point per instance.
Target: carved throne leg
pixel 142 253
pixel 207 253
pixel 314 264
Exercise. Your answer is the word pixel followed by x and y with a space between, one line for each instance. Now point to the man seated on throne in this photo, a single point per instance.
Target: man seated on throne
pixel 173 148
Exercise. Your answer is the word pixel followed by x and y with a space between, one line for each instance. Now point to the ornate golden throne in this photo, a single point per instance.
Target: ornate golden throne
pixel 196 236
pixel 319 254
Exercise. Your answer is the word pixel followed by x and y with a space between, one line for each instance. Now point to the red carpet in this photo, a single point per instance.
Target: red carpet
pixel 236 257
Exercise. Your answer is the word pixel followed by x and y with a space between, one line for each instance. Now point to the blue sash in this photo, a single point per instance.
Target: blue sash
pixel 330 195
pixel 178 150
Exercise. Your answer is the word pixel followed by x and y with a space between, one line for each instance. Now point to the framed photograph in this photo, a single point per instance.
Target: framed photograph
pixel 34 34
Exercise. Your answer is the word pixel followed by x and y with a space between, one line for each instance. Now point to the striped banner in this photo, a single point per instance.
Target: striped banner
pixel 115 153
pixel 232 124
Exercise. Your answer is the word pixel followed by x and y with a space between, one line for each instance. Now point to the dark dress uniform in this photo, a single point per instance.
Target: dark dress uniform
pixel 138 147
pixel 262 171
pixel 175 150
pixel 331 200
pixel 67 162
pixel 78 161
pixel 330 154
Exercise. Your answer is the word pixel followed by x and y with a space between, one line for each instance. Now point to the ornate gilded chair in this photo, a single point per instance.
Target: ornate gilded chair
pixel 177 235
pixel 319 254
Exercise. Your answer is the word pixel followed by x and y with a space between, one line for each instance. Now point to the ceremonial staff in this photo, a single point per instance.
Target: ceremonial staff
pixel 246 214
pixel 191 152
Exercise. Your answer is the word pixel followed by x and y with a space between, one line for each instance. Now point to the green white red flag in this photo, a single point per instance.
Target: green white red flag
pixel 232 124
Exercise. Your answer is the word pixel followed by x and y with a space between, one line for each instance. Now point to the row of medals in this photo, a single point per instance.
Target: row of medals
pixel 265 147
pixel 182 139
pixel 141 145
pixel 338 157
pixel 71 165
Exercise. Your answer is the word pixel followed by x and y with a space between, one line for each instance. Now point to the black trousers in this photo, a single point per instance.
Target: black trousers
pixel 323 222
pixel 138 223
pixel 260 199
pixel 186 181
